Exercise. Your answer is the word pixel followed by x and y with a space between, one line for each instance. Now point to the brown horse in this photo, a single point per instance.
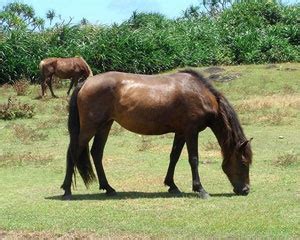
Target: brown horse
pixel 184 103
pixel 76 69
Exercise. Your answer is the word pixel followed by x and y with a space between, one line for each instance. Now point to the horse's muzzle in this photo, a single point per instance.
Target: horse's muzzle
pixel 242 190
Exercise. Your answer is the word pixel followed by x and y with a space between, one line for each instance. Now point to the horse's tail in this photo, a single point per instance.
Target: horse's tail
pixel 90 72
pixel 42 77
pixel 81 160
pixel 41 65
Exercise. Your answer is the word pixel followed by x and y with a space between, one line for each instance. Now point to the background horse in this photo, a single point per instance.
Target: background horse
pixel 184 103
pixel 76 69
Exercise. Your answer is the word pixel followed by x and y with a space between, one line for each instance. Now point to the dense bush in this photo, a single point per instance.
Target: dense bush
pixel 260 32
pixel 248 32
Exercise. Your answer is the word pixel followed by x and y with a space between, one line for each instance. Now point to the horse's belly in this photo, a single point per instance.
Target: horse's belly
pixel 145 126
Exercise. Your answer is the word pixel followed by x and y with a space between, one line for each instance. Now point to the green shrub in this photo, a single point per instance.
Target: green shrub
pixel 261 32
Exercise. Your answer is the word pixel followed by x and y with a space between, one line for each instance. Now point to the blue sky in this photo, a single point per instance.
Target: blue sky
pixel 105 11
pixel 108 11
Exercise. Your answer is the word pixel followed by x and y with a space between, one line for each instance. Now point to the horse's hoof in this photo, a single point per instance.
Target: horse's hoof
pixel 203 194
pixel 55 96
pixel 174 191
pixel 111 193
pixel 67 197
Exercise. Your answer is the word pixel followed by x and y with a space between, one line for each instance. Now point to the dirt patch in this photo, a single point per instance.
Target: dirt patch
pixel 214 70
pixel 271 66
pixel 290 69
pixel 214 77
pixel 224 78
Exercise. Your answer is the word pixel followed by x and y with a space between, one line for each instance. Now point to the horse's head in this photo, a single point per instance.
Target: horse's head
pixel 237 168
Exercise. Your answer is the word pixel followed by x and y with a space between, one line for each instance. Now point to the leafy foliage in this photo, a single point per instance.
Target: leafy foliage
pixel 17 15
pixel 241 32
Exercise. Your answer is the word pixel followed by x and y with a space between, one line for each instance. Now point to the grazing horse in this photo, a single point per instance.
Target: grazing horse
pixel 184 103
pixel 76 69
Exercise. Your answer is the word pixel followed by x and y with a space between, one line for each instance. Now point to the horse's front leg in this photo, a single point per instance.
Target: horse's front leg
pixel 178 144
pixel 192 147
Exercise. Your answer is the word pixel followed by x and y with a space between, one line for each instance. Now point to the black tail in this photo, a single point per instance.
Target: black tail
pixel 80 157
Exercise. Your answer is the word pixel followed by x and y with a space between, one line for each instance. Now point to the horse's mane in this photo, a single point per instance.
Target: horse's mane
pixel 226 112
pixel 88 66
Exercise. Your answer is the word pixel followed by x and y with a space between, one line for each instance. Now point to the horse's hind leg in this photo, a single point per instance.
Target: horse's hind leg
pixel 43 84
pixel 97 154
pixel 178 144
pixel 192 147
pixel 78 152
pixel 68 178
pixel 71 85
pixel 49 82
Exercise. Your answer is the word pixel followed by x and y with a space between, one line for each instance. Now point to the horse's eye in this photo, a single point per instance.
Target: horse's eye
pixel 244 161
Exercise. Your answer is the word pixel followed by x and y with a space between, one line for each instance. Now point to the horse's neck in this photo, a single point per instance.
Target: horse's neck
pixel 224 137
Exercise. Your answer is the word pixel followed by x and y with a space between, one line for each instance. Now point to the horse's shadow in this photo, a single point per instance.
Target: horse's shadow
pixel 134 195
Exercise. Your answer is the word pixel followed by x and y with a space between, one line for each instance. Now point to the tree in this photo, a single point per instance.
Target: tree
pixel 50 15
pixel 215 7
pixel 192 12
pixel 84 21
pixel 17 15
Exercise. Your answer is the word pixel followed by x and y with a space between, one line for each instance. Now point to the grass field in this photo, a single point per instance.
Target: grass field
pixel 32 165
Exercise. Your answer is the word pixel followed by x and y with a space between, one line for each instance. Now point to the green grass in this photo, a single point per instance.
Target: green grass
pixel 31 172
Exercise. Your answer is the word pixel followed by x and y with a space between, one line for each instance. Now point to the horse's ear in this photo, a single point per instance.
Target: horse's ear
pixel 244 144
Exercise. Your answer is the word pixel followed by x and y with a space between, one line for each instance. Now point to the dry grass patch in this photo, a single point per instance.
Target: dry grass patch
pixel 61 108
pixel 116 130
pixel 15 109
pixel 267 102
pixel 145 144
pixel 272 110
pixel 53 123
pixel 21 87
pixel 73 235
pixel 142 182
pixel 22 159
pixel 287 159
pixel 211 146
pixel 6 86
pixel 27 134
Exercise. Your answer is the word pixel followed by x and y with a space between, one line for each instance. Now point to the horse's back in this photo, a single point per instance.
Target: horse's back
pixel 146 104
pixel 74 67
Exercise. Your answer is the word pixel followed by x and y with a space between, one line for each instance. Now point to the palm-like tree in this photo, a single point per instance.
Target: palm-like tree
pixel 50 15
pixel 192 12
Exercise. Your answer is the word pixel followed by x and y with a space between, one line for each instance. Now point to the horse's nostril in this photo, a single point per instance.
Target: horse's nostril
pixel 242 191
pixel 246 190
